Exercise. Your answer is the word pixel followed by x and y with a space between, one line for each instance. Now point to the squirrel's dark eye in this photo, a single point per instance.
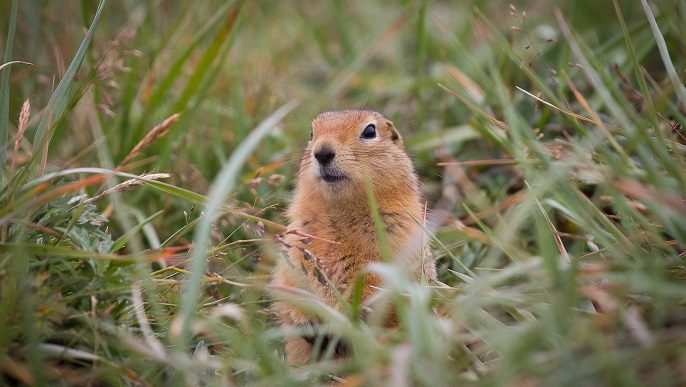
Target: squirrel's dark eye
pixel 369 131
pixel 311 134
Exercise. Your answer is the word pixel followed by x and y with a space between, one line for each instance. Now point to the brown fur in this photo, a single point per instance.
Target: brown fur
pixel 339 211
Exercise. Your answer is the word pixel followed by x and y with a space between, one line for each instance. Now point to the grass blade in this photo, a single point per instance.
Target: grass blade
pixel 121 241
pixel 176 69
pixel 664 53
pixel 223 185
pixel 60 98
pixel 223 37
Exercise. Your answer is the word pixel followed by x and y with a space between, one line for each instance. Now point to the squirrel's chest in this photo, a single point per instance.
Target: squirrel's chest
pixel 343 265
pixel 344 245
pixel 337 254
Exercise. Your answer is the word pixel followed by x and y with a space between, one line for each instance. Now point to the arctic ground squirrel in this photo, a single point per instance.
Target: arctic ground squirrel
pixel 350 151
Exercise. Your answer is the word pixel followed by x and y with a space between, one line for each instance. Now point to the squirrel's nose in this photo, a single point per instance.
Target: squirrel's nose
pixel 324 155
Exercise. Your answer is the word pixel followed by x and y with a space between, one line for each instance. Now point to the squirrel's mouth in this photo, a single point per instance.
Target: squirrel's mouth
pixel 329 175
pixel 332 178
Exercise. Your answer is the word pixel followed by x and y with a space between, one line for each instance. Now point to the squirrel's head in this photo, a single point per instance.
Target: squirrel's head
pixel 351 149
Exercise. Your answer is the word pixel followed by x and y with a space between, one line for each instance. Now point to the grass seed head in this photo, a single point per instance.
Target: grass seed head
pixel 156 132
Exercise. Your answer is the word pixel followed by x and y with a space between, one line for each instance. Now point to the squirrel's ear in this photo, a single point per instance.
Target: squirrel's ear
pixel 395 135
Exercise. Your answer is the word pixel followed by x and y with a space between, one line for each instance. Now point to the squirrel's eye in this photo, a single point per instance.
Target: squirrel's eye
pixel 311 134
pixel 369 131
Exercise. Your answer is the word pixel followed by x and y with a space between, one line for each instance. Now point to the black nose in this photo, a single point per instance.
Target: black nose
pixel 324 155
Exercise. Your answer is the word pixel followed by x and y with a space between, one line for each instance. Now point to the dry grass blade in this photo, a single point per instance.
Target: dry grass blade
pixel 156 132
pixel 630 93
pixel 139 310
pixel 472 88
pixel 582 100
pixel 555 233
pixel 16 370
pixel 473 163
pixel 510 201
pixel 400 365
pixel 2 66
pixel 638 328
pixel 23 124
pixel 640 191
pixel 577 116
pixel 472 233
pixel 123 186
pixel 495 121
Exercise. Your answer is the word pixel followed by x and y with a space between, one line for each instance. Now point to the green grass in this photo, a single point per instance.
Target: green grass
pixel 563 257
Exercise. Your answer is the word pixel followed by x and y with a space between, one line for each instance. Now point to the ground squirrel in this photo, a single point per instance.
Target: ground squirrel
pixel 347 149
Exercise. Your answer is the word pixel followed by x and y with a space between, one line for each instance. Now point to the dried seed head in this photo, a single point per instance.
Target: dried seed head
pixel 156 132
pixel 123 186
pixel 24 118
pixel 21 129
